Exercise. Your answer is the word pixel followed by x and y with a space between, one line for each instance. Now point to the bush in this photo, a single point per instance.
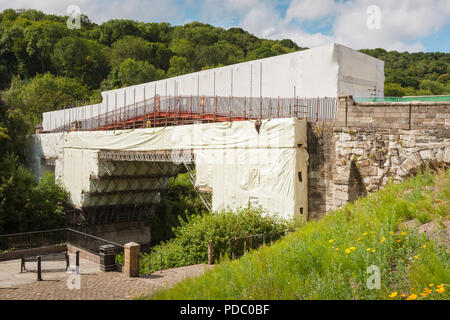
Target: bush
pixel 179 200
pixel 190 245
pixel 26 205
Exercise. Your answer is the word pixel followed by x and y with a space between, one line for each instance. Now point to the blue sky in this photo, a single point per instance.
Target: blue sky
pixel 404 25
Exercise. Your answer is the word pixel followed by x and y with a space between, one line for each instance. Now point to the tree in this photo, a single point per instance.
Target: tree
pixel 393 90
pixel 43 93
pixel 183 48
pixel 434 87
pixel 179 66
pixel 41 38
pixel 113 30
pixel 130 47
pixel 82 59
pixel 131 72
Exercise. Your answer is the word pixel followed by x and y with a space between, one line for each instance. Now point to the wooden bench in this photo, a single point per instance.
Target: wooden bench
pixel 62 256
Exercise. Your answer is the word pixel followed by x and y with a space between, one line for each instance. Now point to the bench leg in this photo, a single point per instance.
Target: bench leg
pixel 67 262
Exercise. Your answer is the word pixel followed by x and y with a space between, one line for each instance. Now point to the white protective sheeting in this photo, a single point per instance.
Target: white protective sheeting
pixel 329 71
pixel 48 146
pixel 359 74
pixel 240 165
pixel 274 133
pixel 256 177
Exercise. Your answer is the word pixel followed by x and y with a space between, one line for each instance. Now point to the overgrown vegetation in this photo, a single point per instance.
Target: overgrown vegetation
pixel 178 202
pixel 329 259
pixel 190 243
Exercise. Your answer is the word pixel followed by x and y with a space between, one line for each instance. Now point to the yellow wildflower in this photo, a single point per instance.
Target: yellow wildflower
pixel 399 241
pixel 403 233
pixel 359 239
pixel 440 290
pixel 383 239
pixel 431 285
pixel 347 251
pixel 403 295
pixel 416 257
pixel 331 241
pixel 374 250
pixel 337 249
pixel 412 297
pixel 427 290
pixel 424 294
pixel 424 246
pixel 391 233
pixel 353 248
pixel 368 249
pixel 364 234
pixel 393 295
pixel 440 286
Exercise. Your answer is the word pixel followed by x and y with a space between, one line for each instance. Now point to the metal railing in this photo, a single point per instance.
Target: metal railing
pixel 30 240
pixel 180 110
pixel 37 239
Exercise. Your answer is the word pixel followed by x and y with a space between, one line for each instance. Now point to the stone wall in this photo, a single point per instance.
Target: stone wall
pixel 371 144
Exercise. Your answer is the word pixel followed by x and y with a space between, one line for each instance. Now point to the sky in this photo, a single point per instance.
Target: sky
pixel 402 25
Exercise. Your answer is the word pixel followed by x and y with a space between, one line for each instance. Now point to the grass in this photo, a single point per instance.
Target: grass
pixel 329 258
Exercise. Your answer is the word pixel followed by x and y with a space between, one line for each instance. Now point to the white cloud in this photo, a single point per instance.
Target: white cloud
pixel 307 10
pixel 263 20
pixel 404 23
pixel 103 10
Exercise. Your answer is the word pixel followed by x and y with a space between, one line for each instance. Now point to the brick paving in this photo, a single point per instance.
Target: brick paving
pixel 95 285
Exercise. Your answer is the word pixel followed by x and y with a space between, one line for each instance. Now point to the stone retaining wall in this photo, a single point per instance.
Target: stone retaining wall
pixel 371 144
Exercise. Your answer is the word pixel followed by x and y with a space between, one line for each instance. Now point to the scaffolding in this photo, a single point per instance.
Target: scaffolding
pixel 183 110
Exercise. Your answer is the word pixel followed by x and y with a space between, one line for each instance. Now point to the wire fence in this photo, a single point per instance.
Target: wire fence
pixel 179 110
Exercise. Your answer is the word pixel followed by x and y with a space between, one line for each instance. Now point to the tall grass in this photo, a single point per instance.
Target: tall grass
pixel 328 259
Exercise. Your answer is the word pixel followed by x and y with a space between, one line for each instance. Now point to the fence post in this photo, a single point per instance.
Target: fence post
pixel 210 253
pixel 39 270
pixel 77 258
pixel 131 259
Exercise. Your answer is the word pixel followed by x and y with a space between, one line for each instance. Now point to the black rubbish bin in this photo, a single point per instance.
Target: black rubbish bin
pixel 108 258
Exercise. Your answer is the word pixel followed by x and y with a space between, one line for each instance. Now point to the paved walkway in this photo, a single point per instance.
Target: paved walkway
pixel 94 284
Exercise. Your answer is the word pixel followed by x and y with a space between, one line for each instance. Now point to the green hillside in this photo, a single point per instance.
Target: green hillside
pixel 328 259
pixel 45 66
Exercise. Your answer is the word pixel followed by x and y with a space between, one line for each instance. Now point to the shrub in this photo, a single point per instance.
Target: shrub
pixel 190 245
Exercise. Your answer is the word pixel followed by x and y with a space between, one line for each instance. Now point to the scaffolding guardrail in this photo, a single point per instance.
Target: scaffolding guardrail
pixel 181 110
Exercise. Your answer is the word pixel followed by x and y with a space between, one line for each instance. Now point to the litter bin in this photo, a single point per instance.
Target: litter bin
pixel 108 258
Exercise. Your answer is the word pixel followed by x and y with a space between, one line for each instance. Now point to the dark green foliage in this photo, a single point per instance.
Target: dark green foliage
pixel 417 73
pixel 82 59
pixel 179 201
pixel 190 244
pixel 26 205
